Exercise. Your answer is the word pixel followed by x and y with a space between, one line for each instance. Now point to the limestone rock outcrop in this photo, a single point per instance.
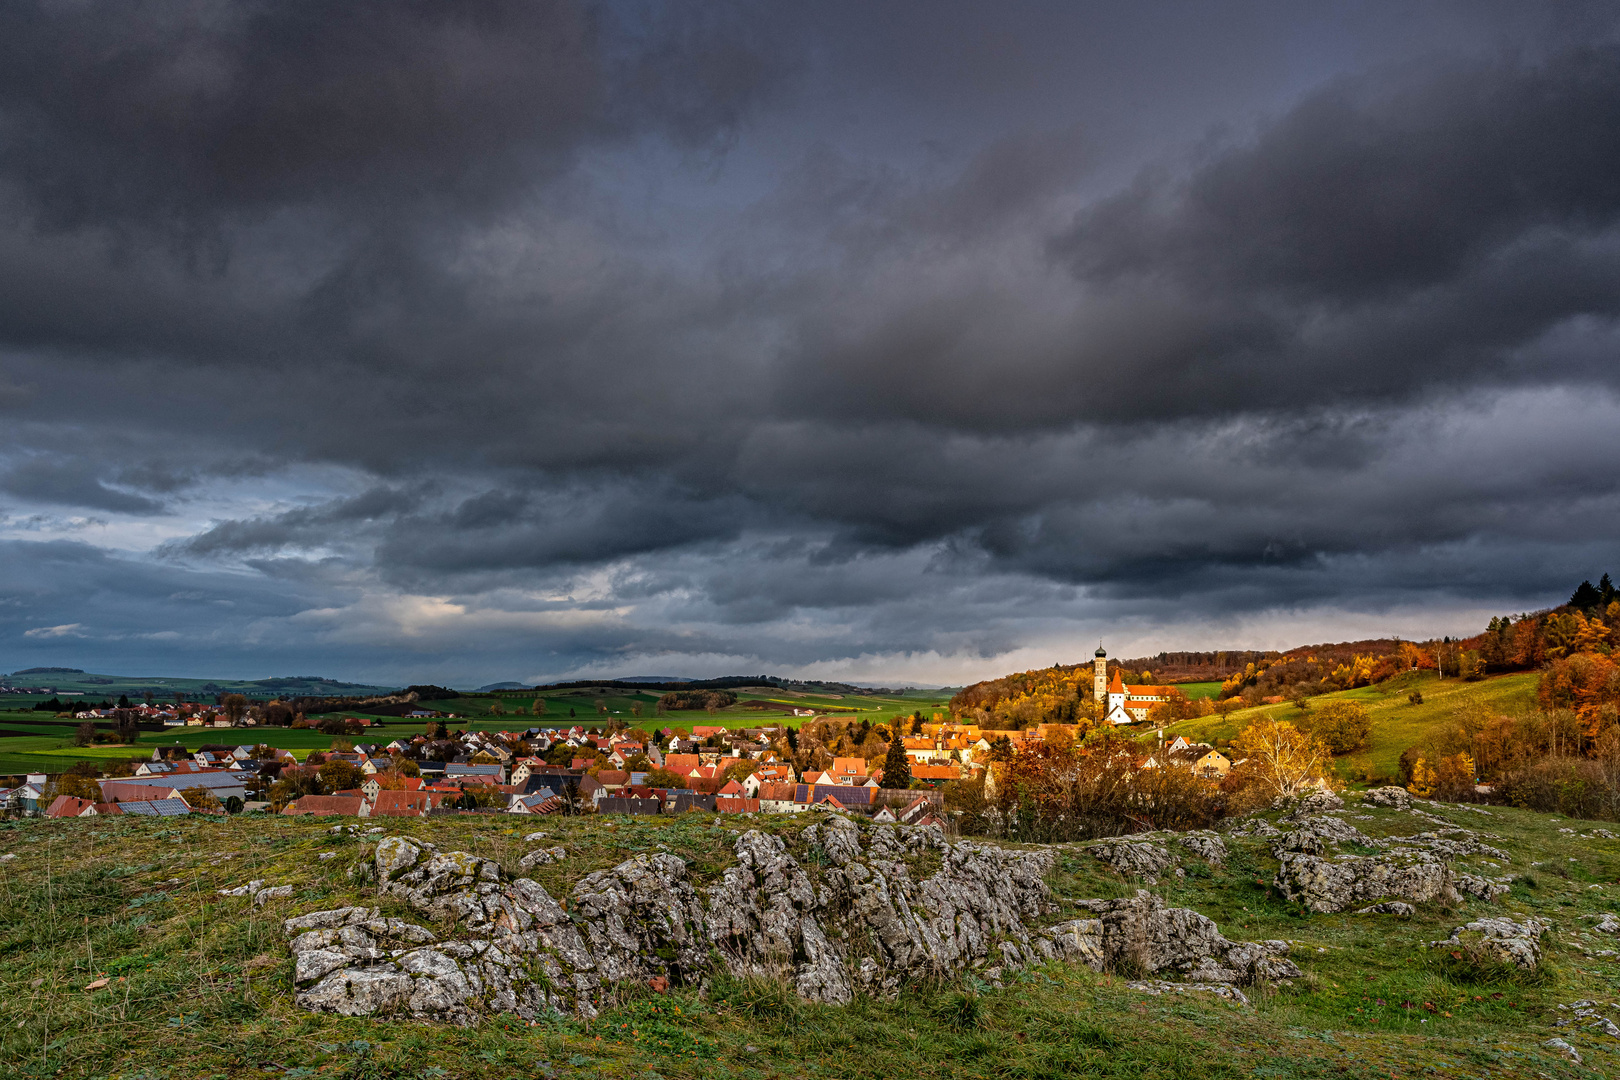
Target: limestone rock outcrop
pixel 836 911
pixel 1140 934
pixel 1329 885
pixel 542 857
pixel 1313 834
pixel 1206 844
pixel 1407 868
pixel 1391 797
pixel 1135 858
pixel 1500 938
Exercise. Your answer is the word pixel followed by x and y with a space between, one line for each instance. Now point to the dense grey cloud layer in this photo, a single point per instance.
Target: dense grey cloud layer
pixel 890 341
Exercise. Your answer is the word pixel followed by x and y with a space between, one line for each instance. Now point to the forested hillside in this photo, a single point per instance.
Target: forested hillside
pixel 1571 642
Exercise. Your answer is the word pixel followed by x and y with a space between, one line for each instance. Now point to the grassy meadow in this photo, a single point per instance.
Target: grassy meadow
pixel 1397 722
pixel 200 985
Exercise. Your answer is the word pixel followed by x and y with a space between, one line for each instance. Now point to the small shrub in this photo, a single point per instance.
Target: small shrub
pixel 1415 697
pixel 960 1011
pixel 756 996
pixel 1469 965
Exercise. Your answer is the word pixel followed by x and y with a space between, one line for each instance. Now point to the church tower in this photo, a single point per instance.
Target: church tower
pixel 1101 681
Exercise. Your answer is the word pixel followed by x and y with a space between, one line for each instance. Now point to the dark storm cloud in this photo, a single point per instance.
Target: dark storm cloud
pixel 537 335
pixel 1385 235
pixel 71 482
pixel 155 111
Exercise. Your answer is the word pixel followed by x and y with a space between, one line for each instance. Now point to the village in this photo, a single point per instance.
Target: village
pixel 578 769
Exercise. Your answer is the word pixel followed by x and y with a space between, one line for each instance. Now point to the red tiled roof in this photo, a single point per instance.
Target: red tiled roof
pixel 68 806
pixel 326 806
pixel 401 804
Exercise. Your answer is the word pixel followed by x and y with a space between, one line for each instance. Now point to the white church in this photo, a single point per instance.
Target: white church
pixel 1122 702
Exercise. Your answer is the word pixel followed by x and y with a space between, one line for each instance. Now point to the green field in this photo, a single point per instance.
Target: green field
pixel 201 985
pixel 1196 690
pixel 1397 723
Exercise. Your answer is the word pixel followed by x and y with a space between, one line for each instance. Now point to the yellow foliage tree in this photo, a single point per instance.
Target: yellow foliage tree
pixel 1283 758
pixel 1423 779
pixel 1453 776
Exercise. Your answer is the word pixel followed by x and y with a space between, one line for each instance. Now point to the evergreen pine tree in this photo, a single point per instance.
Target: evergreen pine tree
pixel 896 766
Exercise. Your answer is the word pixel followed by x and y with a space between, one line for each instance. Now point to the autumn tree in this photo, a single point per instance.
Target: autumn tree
pixel 1423 778
pixel 1454 777
pixel 1342 726
pixel 85 734
pixel 663 778
pixel 1282 758
pixel 339 775
pixel 234 706
pixel 79 786
pixel 740 770
pixel 200 798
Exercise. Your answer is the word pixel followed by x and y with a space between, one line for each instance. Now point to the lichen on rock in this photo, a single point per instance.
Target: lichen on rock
pixel 1500 938
pixel 833 913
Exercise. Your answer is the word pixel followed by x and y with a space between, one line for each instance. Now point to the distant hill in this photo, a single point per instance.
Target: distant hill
pixel 73 681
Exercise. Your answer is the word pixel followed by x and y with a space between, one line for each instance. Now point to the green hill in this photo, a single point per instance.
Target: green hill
pixel 64 681
pixel 1397 722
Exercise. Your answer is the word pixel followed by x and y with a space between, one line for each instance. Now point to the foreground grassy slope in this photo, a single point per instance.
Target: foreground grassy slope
pixel 200 985
pixel 1397 722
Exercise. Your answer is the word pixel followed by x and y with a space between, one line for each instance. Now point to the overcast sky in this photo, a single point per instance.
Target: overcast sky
pixel 896 342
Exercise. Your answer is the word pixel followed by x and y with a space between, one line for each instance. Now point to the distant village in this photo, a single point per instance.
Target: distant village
pixel 560 770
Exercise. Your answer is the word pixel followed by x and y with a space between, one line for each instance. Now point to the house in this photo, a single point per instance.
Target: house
pixel 219 783
pixel 884 817
pixel 736 805
pixel 401 804
pixel 1129 704
pixel 456 770
pixel 920 749
pixel 69 806
pixel 682 764
pixel 1213 765
pixel 541 802
pixel 329 806
pixel 612 780
pixel 31 795
pixel 847 769
pixel 780 799
pixel 916 810
pixel 936 774
pixel 407 783
pixel 524 767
